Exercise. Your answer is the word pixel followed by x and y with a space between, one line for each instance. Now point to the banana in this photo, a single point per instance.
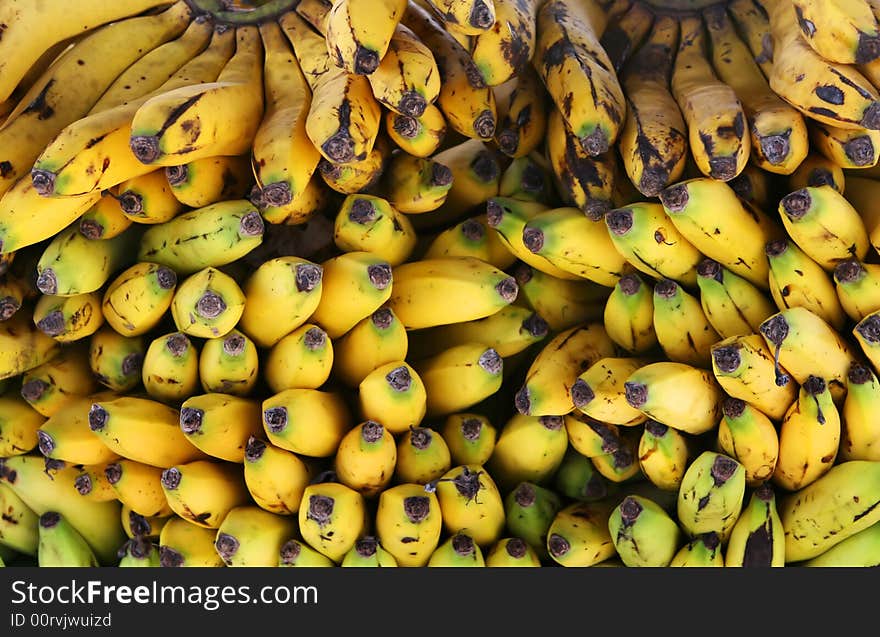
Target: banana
pixel 528 449
pixel 856 284
pixel 710 498
pixel 142 429
pixel 360 282
pixel 332 518
pixel 303 358
pixel 308 422
pixel 203 492
pixel 206 119
pixel 39 484
pixel 68 318
pixel 359 37
pixel 47 388
pixel 471 437
pixel 375 340
pixel 859 431
pixel 19 527
pixel 708 213
pixel 251 536
pixel 139 551
pixel 854 148
pixel 830 92
pixel 406 80
pixel 116 361
pixel 366 458
pixel 676 394
pixel 422 456
pixel 138 486
pixel 23 345
pixel 13 292
pixel 561 303
pixel 578 478
pixel 643 533
pixel 458 550
pixel 203 182
pixel 745 369
pixel 704 550
pixel 214 235
pixel 66 435
pixel 274 477
pixel 395 395
pixel 622 464
pixel 598 391
pixel 415 185
pixel 91 482
pixel 653 143
pixel 626 33
pixel 229 364
pixel 817 170
pixel 859 549
pixel 842 31
pixel 583 180
pixel 220 424
pixel 207 304
pixel 512 552
pixel 753 185
pixel 136 299
pixel 296 553
pixel 408 523
pixel 147 199
pixel 579 535
pixel 747 434
pixel 628 315
pixel 470 501
pixel 733 305
pixel 579 75
pixel 664 454
pixel 355 176
pixel 757 538
pixel 867 337
pixel 417 136
pixel 804 345
pixel 593 255
pixel 649 241
pixel 368 552
pixel 464 97
pixel 834 507
pixel 369 223
pixel 529 512
pixel 285 286
pixel 183 544
pixel 170 368
pixel 778 131
pixel 70 87
pixel 61 545
pixel 522 103
pixel 92 153
pixel 716 121
pixel 139 526
pixel 591 437
pixel 505 50
pixel 528 178
pixel 20 425
pixel 458 378
pixel 683 331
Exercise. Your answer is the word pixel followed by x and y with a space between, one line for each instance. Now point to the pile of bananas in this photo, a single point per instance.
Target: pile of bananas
pixel 440 283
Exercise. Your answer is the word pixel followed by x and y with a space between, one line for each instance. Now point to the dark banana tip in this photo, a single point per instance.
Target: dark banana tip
pixel 482 16
pixel 45 443
pixel 869 329
pixel 674 198
pixel 727 359
pixel 131 364
pixel 595 209
pixel 83 484
pixel 536 326
pixel 226 546
pixel 307 276
pixel 169 557
pixel 97 417
pixel 532 179
pixel 176 175
pixel 796 204
pixel 581 393
pixel 723 469
pixel 380 275
pixel 814 385
pixel 210 305
pixel 859 373
pixel 50 519
pixel 733 407
pixel 525 495
pixel 774 329
pixel 860 151
pixel 178 344
pixel 775 148
pixel 33 390
pixel 533 239
pixel 710 269
pixel 171 478
pixel 629 284
pixel 710 540
pixel 508 141
pixel 867 49
pixel 43 181
pixel 775 247
pixel 366 61
pixel 113 472
pixel 47 281
pixel 516 548
pixel 656 429
pixel 441 175
pixel 339 148
pixel 191 420
pixel 275 195
pixel 471 429
pixel 472 230
pixel 412 105
pixel 666 288
pixel 320 509
pixel 405 126
pixel 131 203
pixel 764 492
pixel 484 125
pixel 289 553
pixel 486 167
pixel 91 229
pixel 557 545
pixel 596 143
pixel 138 524
pixel 522 401
pixel 652 181
pixel 522 273
pixel 366 546
pixel 551 423
pixel 871 117
pixel 362 211
pixel 382 318
pixel 315 338
pixel 507 289
pixel 420 438
pixel 166 277
pixel 619 221
pixel 399 379
pixel 251 224
pixel 742 186
pixel 52 324
pixel 636 394
pixel 820 177
pixel 494 213
pixel 254 449
pixel 630 509
pixel 491 362
pixel 276 419
pixel 145 148
pixel 848 271
pixel 463 544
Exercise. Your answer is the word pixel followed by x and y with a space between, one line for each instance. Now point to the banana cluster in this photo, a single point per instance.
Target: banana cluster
pixel 439 283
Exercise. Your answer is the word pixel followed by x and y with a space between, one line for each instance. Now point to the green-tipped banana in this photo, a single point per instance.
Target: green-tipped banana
pixel 115 360
pixel 512 552
pixel 140 551
pixel 704 550
pixel 628 315
pixel 711 495
pixel 682 328
pixel 757 538
pixel 60 544
pixel 368 552
pixel 577 478
pixel 664 455
pixel 643 533
pixel 529 511
pixel 296 553
pixel 860 549
pixel 229 364
pixel 459 550
pixel 471 437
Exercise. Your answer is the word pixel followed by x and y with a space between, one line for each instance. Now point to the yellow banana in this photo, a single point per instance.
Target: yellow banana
pixel 471 237
pixel 19 530
pixel 393 394
pixel 704 550
pixel 579 535
pixel 417 136
pixel 147 198
pixel 20 426
pixel 561 303
pixel 853 148
pixel 757 538
pixel 408 523
pixel 365 458
pixel 817 170
pixel 626 32
pixel 628 315
pixel 746 434
pixel 50 386
pixel 275 478
pixel 356 176
pixel 711 495
pixel 183 544
pixel 528 449
pixel 505 50
pixel 68 318
pixel 138 486
pixel 303 358
pixel 843 31
pixel 203 492
pixel 332 518
pixel 207 304
pixel 860 435
pixel 458 550
pixel 358 36
pixel 368 223
pixel 598 391
pixel 522 113
pixel 23 346
pixel 296 553
pixel 220 424
pixel 373 341
pixel 664 454
pixel 170 369
pixel 229 364
pixel 683 331
pixel 470 502
pixel 67 436
pixel 251 536
pixel 136 299
pixel 422 456
pixel 470 436
pixel 415 185
pixel 857 288
pixel 308 422
pixel 115 360
pixel 733 305
pixel 460 377
pixel 407 78
pixel 202 182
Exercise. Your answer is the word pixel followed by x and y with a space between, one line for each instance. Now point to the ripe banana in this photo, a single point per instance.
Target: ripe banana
pixel 395 395
pixel 275 478
pixel 251 536
pixel 711 495
pixel 332 518
pixel 366 457
pixel 369 223
pixel 422 456
pixel 308 422
pixel 860 435
pixel 220 424
pixel 207 304
pixel 137 299
pixel 469 501
pixel 170 369
pixel 856 284
pixel 47 388
pixel 303 358
pixel 407 78
pixel 528 449
pixel 733 305
pixel 201 182
pixel 664 454
pixel 757 538
pixel 183 544
pixel 116 361
pixel 203 492
pixel 682 328
pixel 628 315
pixel 561 303
pixel 19 425
pixel 643 533
pixel 579 535
pixel 373 341
pixel 471 437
